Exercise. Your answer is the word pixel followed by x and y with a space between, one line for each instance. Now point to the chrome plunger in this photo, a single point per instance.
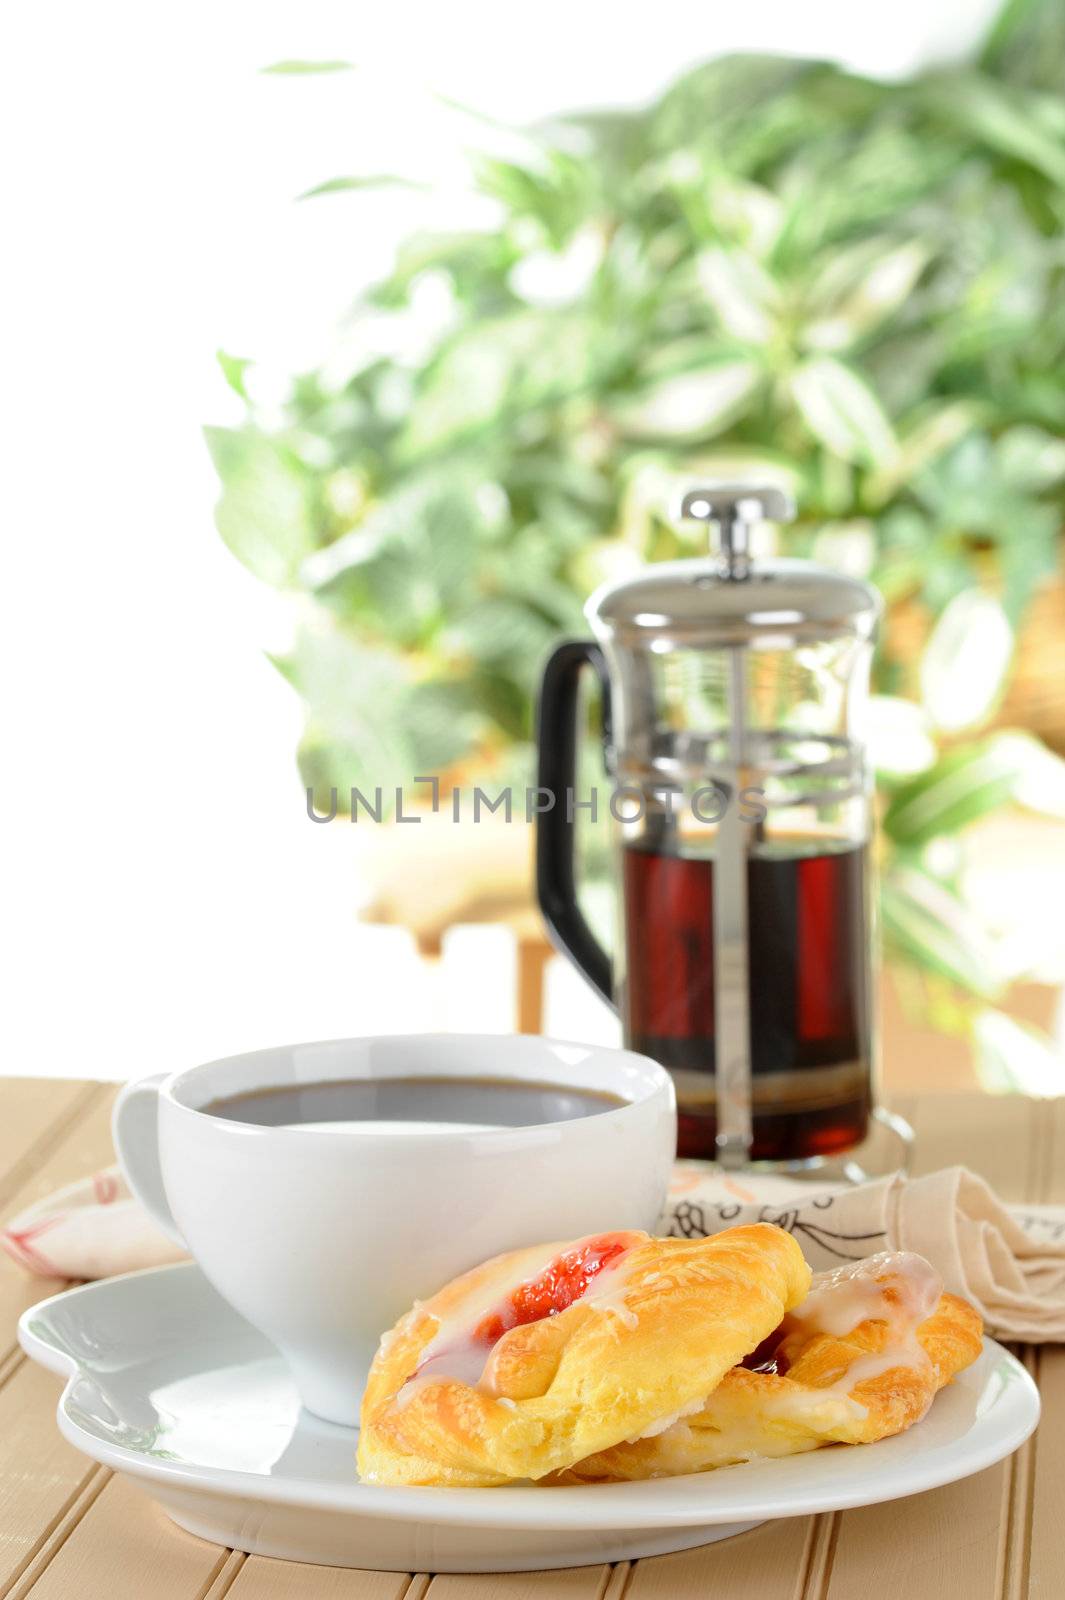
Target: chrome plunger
pixel 734 509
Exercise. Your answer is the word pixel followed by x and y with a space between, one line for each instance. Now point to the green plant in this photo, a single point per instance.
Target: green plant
pixel 779 266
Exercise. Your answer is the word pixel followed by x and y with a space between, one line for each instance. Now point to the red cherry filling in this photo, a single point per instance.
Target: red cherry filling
pixel 564 1281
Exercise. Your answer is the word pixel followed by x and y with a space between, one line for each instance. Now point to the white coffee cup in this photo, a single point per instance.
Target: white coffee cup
pixel 322 1236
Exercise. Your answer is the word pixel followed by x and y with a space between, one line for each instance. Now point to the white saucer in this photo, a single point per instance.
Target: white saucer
pixel 170 1386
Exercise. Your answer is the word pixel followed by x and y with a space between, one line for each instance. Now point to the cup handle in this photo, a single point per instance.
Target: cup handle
pixel 135 1130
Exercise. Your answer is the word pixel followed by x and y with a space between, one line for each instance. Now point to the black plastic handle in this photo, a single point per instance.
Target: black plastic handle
pixel 556 886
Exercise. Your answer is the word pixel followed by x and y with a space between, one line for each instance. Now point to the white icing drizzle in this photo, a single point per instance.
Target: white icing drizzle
pixel 408 1390
pixel 898 1288
pixel 453 1354
pixel 606 1293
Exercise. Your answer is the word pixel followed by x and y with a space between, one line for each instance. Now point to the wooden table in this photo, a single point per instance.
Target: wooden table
pixel 70 1530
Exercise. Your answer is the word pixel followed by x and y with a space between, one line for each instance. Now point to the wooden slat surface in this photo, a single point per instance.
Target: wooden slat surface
pixel 78 1148
pixel 571 1583
pixel 125 1548
pixel 69 1529
pixel 36 1112
pixel 769 1563
pixel 42 1474
pixel 259 1579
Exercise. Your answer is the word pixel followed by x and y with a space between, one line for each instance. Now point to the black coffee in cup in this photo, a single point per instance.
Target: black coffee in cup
pixel 463 1102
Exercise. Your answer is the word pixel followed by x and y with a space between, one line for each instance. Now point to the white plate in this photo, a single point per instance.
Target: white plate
pixel 170 1386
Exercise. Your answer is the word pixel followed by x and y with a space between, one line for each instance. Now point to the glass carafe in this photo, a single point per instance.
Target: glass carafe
pixel 733 693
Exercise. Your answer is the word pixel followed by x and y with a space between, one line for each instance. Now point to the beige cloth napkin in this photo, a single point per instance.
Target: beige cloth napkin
pixel 1009 1262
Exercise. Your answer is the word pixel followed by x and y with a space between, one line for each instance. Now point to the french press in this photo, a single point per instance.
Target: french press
pixel 732 696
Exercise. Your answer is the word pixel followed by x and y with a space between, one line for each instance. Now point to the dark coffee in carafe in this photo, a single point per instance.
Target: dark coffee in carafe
pixel 807 987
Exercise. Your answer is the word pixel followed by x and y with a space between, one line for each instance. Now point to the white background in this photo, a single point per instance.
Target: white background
pixel 164 896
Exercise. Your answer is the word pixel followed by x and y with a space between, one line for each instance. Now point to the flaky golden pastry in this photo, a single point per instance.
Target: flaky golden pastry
pixel 862 1359
pixel 546 1356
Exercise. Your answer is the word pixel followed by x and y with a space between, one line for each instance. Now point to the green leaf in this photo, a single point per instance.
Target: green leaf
pixel 690 405
pixel 355 733
pixel 983 488
pixel 935 429
pixel 966 661
pixel 504 633
pixel 372 180
pixel 552 194
pixel 1030 459
pixel 558 277
pixel 926 923
pixel 296 68
pixel 233 370
pixel 339 676
pixel 998 116
pixel 1039 774
pixel 964 785
pixel 499 369
pixel 1015 1058
pixel 859 289
pixel 498 124
pixel 1026 44
pixel 1029 558
pixel 747 214
pixel 411 561
pixel 741 292
pixel 842 411
pixel 443 721
pixel 263 514
pixel 749 106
